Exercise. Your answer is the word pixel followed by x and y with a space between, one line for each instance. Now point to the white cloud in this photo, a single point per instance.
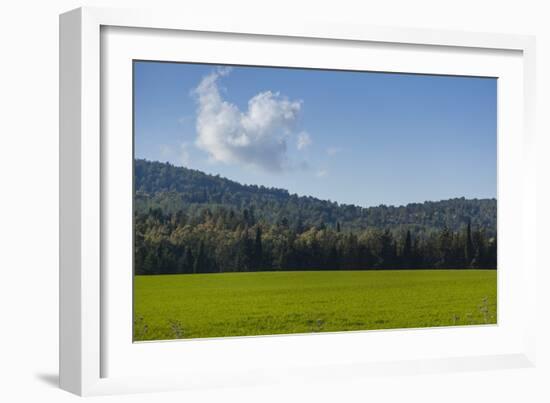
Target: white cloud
pixel 304 140
pixel 333 150
pixel 256 137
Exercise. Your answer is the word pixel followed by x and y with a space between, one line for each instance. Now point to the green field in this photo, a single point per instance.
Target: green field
pixel 238 304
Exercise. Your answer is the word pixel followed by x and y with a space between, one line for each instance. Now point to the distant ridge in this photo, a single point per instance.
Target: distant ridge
pixel 177 189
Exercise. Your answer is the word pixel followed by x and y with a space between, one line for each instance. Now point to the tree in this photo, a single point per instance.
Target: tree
pixel 386 255
pixel 168 189
pixel 492 253
pixel 244 228
pixel 333 261
pixel 468 247
pixel 245 252
pixel 478 239
pixel 188 261
pixel 258 250
pixel 407 250
pixel 151 263
pixel 200 262
pixel 445 247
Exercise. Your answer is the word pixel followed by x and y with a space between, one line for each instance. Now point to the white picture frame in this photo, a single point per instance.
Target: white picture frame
pixel 94 329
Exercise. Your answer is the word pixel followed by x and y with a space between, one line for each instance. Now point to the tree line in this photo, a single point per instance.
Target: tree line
pixel 222 239
pixel 177 189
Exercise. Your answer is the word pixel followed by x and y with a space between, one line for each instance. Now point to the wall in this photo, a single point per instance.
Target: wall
pixel 29 185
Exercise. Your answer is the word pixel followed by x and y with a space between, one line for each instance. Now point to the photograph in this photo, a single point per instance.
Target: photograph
pixel 275 200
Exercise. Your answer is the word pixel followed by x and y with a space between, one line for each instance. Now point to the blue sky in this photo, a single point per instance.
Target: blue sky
pixel 352 137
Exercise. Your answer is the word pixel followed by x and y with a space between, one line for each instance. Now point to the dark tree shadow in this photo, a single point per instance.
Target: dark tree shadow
pixel 49 379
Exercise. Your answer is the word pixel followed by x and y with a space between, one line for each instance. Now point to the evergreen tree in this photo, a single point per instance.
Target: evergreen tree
pixel 469 247
pixel 258 250
pixel 151 263
pixel 386 256
pixel 188 261
pixel 407 250
pixel 245 254
pixel 187 221
pixel 445 248
pixel 200 261
pixel 478 240
pixel 492 254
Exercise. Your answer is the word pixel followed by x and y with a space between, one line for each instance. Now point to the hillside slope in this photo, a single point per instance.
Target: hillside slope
pixel 172 189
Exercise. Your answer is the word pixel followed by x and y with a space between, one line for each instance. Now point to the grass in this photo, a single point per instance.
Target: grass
pixel 239 304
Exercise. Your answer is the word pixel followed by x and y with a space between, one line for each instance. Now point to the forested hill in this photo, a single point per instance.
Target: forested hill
pixel 176 189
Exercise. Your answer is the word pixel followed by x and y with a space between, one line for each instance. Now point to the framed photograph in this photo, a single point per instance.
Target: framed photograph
pixel 247 203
